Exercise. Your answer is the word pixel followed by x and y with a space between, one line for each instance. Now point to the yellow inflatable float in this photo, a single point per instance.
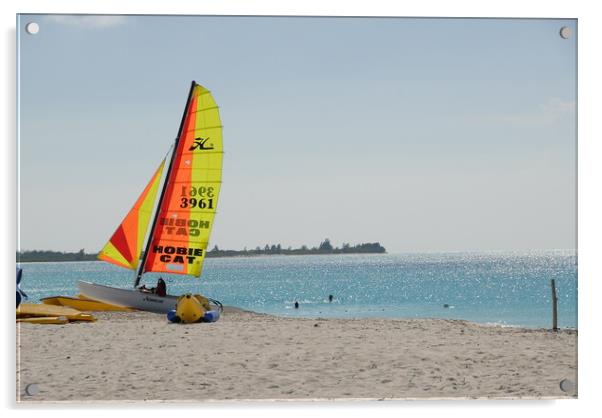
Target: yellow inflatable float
pixel 194 308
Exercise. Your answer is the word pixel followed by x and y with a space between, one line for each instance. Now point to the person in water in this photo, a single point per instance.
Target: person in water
pixel 296 305
pixel 330 298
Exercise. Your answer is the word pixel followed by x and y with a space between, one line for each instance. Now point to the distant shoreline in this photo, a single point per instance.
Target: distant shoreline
pixel 325 248
pixel 93 258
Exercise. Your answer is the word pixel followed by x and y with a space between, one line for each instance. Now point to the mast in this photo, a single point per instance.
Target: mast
pixel 160 202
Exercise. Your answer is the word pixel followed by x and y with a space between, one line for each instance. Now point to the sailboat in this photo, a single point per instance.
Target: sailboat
pixel 184 209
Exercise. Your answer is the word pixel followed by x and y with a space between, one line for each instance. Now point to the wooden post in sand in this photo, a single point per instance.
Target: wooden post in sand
pixel 554 306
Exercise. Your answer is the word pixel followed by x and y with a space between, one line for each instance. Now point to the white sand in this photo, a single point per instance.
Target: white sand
pixel 140 356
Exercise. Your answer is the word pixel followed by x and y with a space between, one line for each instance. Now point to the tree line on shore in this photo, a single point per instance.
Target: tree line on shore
pixel 45 255
pixel 325 247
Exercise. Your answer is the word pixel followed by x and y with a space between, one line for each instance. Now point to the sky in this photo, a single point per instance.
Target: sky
pixel 421 134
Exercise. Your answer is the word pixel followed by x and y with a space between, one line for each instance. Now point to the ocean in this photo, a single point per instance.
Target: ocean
pixel 503 288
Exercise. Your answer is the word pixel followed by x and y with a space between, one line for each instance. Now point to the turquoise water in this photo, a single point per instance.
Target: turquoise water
pixel 498 288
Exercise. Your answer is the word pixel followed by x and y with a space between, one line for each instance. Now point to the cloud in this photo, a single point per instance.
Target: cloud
pixel 88 21
pixel 549 113
pixel 518 119
pixel 557 106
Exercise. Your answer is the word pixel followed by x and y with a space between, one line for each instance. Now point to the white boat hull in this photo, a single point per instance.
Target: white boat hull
pixel 129 298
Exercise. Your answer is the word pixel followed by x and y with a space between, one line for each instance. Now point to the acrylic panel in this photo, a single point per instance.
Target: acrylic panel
pixel 295 208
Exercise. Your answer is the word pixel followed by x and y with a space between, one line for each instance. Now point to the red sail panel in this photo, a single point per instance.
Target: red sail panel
pixel 185 217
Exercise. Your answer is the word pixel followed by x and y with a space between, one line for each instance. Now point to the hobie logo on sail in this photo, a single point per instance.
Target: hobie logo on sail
pixel 182 255
pixel 200 144
pixel 184 227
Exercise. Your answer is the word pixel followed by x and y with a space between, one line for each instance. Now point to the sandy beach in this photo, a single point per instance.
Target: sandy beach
pixel 138 356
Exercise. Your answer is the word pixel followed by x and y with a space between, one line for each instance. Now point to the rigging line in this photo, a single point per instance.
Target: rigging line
pixel 200 211
pixel 205 127
pixel 206 109
pixel 203 152
pixel 205 243
pixel 198 182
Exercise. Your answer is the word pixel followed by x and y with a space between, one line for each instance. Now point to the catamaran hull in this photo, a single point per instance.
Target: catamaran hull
pixel 129 298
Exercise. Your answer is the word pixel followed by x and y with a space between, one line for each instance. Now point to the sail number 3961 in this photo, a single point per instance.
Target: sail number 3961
pixel 200 197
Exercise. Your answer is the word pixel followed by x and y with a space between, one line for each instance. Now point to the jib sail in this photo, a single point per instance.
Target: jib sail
pixel 126 244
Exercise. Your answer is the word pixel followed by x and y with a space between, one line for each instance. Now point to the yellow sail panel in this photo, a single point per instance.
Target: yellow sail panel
pixel 125 246
pixel 185 218
pixel 110 254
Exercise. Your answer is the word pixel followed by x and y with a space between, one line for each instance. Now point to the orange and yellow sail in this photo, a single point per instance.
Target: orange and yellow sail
pixel 187 205
pixel 185 216
pixel 125 245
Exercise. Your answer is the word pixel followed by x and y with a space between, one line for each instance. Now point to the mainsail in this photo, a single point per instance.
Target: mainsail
pixel 126 244
pixel 187 205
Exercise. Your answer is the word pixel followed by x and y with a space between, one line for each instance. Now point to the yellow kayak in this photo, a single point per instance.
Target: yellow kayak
pixel 82 303
pixel 57 320
pixel 29 310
